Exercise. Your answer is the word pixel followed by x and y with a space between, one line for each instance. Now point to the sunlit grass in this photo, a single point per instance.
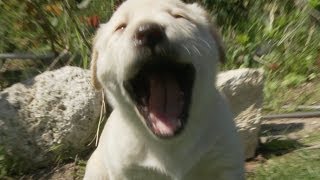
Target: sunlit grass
pixel 302 162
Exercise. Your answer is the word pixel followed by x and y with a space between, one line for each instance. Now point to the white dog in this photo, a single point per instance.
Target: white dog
pixel 156 61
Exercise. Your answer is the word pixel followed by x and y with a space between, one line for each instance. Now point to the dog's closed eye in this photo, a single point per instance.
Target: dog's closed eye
pixel 121 27
pixel 177 16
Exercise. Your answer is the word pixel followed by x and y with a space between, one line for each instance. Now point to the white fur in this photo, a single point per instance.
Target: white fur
pixel 208 147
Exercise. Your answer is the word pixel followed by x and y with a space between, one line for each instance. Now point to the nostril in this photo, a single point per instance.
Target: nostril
pixel 149 35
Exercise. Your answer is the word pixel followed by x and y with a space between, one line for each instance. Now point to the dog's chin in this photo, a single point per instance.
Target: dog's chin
pixel 161 91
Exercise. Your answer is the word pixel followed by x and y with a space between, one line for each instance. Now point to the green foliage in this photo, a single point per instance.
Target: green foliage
pixel 11 164
pixel 232 12
pixel 3 169
pixel 14 165
pixel 293 79
pixel 61 152
pixel 279 36
pixel 81 168
pixel 315 4
pixel 50 25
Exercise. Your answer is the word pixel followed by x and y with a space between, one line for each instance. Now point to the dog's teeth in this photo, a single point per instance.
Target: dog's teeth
pixel 144 100
pixel 154 126
pixel 144 108
pixel 179 123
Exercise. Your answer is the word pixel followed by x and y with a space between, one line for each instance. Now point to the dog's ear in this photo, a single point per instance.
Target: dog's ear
pixel 221 48
pixel 93 68
pixel 95 56
pixel 217 37
pixel 206 17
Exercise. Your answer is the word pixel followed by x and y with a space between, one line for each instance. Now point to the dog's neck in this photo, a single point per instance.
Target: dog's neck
pixel 150 150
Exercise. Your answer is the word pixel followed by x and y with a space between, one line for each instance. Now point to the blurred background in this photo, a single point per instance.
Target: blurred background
pixel 282 37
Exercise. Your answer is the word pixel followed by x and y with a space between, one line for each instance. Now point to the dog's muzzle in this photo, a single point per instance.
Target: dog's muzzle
pixel 149 35
pixel 162 87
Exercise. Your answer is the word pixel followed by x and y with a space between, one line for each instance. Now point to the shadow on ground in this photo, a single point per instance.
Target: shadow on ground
pixel 274 129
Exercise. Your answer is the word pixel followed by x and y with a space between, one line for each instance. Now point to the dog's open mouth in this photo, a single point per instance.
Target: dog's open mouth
pixel 161 91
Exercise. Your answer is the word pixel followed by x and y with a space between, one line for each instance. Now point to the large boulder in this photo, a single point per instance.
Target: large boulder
pixel 53 115
pixel 243 89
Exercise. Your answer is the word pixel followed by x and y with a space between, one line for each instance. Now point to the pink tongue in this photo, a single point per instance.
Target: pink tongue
pixel 165 104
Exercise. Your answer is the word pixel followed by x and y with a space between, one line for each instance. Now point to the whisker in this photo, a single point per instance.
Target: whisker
pixel 186 48
pixel 197 50
pixel 206 43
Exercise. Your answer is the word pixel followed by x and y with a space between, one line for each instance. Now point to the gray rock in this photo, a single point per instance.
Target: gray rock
pixel 51 116
pixel 243 89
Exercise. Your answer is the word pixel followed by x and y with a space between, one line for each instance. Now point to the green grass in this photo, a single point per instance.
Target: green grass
pixel 81 168
pixel 299 162
pixel 313 138
pixel 299 165
pixel 278 95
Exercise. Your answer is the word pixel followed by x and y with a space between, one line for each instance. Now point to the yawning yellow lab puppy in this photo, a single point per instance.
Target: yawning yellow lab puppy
pixel 156 60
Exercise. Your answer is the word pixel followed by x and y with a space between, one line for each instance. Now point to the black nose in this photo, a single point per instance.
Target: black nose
pixel 149 35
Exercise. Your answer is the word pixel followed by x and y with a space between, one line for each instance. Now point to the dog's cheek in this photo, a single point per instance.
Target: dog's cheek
pixel 99 42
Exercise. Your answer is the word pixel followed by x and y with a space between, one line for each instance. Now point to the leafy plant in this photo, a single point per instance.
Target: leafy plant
pixel 41 26
pixel 315 4
pixel 3 169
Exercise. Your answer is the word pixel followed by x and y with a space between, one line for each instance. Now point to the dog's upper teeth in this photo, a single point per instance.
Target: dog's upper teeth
pixel 144 108
pixel 179 123
pixel 144 100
